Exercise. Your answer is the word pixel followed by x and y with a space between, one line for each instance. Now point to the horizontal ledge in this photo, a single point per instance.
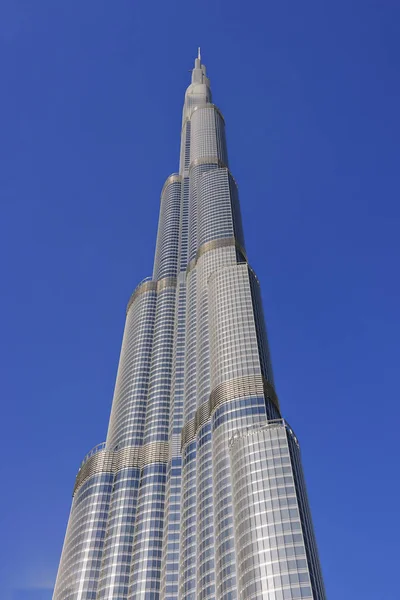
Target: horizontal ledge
pixel 233 389
pixel 201 107
pixel 208 160
pixel 112 461
pixel 174 178
pixel 254 429
pixel 213 245
pixel 151 285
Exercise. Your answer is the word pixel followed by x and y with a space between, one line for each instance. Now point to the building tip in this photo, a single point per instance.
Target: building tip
pixel 198 53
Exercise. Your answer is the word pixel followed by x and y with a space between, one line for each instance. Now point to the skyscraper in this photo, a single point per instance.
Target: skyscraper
pixel 198 491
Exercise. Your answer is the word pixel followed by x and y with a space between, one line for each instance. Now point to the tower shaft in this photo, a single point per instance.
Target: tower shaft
pixel 198 491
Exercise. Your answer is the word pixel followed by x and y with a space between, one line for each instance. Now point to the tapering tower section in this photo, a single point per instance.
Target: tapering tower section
pixel 198 491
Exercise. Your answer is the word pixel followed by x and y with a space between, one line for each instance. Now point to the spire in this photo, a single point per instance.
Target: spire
pixel 198 92
pixel 199 71
pixel 197 62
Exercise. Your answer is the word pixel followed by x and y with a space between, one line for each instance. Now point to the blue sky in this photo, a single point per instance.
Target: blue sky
pixel 90 120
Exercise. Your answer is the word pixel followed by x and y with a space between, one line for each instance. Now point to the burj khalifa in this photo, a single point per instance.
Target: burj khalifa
pixel 198 491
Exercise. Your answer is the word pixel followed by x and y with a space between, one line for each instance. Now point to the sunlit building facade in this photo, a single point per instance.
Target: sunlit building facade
pixel 198 491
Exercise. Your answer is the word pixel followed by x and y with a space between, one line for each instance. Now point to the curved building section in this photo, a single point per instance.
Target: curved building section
pixel 275 543
pixel 159 391
pixel 234 343
pixel 216 257
pixel 188 538
pixel 238 398
pixel 216 217
pixel 207 153
pixel 205 555
pixel 207 135
pixel 128 413
pixel 118 544
pixel 172 527
pixel 82 553
pixel 145 578
pixel 167 248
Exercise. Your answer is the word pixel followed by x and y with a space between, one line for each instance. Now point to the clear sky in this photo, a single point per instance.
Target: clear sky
pixel 90 110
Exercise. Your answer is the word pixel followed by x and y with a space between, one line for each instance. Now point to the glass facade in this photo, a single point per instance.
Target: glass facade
pixel 275 546
pixel 198 491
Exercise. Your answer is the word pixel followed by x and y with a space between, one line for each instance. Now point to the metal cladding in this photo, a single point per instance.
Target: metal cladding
pixel 198 492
